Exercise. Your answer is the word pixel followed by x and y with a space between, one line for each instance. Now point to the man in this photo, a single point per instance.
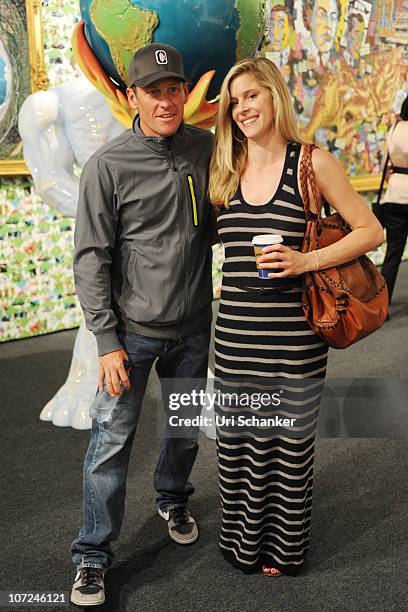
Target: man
pixel 142 270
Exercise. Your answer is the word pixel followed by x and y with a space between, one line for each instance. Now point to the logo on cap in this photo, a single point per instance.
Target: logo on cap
pixel 161 56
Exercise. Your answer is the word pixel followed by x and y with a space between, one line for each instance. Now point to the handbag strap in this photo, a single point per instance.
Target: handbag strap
pixel 308 181
pixel 384 172
pixel 308 184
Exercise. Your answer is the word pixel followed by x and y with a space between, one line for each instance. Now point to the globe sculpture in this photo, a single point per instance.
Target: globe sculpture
pixel 210 34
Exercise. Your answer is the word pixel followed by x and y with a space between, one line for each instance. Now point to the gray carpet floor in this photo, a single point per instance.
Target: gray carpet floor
pixel 358 554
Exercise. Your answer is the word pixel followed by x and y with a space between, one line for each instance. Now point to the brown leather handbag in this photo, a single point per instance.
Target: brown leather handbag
pixel 345 303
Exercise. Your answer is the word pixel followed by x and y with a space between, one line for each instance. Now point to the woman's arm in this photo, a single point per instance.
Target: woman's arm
pixel 334 186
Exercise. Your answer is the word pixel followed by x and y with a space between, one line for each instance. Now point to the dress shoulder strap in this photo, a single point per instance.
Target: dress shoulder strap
pixel 291 165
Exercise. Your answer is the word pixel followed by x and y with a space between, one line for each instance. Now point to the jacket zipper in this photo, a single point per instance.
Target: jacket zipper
pixel 193 199
pixel 182 236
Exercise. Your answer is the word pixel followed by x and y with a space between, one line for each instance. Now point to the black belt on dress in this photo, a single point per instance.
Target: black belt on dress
pixel 266 290
pixel 399 170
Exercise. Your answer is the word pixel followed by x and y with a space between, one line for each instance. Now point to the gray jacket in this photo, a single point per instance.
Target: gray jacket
pixel 142 258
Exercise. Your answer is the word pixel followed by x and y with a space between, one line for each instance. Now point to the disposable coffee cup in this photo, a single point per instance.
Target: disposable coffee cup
pixel 259 242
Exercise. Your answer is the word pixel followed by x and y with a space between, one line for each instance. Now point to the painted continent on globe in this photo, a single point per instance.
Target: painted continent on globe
pixel 210 34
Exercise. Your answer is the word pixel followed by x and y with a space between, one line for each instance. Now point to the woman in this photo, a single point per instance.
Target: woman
pixel 261 332
pixel 396 199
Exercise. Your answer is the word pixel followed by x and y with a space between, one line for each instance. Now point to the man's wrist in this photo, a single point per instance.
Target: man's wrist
pixel 107 342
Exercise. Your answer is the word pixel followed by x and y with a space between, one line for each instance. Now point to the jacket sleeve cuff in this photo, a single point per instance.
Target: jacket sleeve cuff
pixel 107 342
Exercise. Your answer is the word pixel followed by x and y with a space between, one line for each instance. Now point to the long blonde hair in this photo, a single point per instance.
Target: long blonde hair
pixel 230 145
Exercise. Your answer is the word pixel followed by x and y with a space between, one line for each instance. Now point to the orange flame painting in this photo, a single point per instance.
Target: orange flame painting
pixel 198 111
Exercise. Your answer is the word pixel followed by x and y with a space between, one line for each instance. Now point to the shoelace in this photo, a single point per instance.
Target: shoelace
pixel 180 515
pixel 90 575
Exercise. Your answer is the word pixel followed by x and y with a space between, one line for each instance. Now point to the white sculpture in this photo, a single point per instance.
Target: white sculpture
pixel 60 129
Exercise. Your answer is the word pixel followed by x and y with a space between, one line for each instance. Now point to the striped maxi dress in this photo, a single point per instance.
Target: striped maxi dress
pixel 266 480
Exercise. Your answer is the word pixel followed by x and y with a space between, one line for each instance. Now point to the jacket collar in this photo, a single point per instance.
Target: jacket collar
pixel 157 143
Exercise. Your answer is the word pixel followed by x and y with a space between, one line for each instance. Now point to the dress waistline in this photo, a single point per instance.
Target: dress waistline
pixel 267 290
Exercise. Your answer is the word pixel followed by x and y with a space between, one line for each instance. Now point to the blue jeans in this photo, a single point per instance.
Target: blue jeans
pixel 107 459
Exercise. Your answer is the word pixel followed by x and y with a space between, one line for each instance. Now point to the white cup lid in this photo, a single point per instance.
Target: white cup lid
pixel 266 239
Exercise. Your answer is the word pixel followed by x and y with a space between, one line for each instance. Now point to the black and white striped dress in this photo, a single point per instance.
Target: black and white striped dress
pixel 266 479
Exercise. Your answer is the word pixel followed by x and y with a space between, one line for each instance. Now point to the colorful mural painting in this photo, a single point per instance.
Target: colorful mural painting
pixel 21 73
pixel 14 75
pixel 346 63
pixel 37 292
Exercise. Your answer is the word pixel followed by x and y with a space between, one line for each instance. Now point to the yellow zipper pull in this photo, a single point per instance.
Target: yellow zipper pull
pixel 193 199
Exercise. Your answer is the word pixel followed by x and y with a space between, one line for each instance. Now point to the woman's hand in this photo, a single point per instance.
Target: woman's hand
pixel 292 263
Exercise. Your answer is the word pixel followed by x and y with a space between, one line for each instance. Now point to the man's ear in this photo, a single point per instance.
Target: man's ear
pixel 186 90
pixel 132 98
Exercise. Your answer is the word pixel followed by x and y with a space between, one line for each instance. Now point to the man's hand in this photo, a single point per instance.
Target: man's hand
pixel 112 371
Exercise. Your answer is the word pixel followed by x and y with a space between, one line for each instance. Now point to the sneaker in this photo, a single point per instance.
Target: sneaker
pixel 88 588
pixel 182 526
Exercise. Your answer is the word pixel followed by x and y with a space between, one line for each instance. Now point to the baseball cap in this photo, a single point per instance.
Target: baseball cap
pixel 154 62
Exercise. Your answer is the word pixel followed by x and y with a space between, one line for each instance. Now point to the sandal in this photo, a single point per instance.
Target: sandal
pixel 271 571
